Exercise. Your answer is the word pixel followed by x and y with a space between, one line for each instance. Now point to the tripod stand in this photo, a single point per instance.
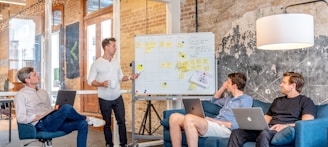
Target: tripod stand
pixel 144 120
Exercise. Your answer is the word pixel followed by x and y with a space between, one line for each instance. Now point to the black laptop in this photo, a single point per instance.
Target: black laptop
pixel 65 97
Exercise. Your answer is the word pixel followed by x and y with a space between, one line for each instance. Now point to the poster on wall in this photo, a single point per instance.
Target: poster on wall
pixel 72 51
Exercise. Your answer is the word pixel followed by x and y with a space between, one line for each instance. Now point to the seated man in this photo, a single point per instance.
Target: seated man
pixel 33 106
pixel 283 112
pixel 222 124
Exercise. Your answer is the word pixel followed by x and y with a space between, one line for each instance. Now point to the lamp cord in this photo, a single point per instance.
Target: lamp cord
pixel 285 8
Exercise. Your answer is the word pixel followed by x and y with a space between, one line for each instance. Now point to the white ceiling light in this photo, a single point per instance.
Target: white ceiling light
pixel 285 31
pixel 16 2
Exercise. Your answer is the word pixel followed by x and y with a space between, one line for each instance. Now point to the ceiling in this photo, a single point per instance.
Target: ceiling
pixel 3 6
pixel 5 3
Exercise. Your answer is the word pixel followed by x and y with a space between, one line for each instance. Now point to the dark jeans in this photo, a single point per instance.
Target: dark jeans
pixel 238 137
pixel 119 111
pixel 66 119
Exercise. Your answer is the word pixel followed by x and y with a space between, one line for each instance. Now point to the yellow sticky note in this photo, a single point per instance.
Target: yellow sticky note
pixel 169 65
pixel 153 44
pixel 169 44
pixel 198 61
pixel 182 55
pixel 163 65
pixel 192 86
pixel 148 44
pixel 148 50
pixel 206 68
pixel 162 44
pixel 199 67
pixel 181 76
pixel 205 61
pixel 180 44
pixel 138 44
pixel 193 68
pixel 140 67
pixel 192 61
pixel 180 64
pixel 164 85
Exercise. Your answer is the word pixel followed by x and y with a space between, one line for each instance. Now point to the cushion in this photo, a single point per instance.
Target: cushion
pixel 284 137
pixel 165 123
pixel 210 109
pixel 322 111
pixel 265 106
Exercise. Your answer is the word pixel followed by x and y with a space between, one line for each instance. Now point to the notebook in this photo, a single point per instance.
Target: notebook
pixel 194 106
pixel 250 118
pixel 63 97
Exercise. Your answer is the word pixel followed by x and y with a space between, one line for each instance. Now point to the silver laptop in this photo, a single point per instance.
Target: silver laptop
pixel 250 118
pixel 194 106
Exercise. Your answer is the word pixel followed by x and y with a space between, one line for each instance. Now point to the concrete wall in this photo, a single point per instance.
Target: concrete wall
pixel 233 23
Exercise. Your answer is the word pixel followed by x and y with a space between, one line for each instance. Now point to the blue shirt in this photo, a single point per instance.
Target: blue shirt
pixel 227 103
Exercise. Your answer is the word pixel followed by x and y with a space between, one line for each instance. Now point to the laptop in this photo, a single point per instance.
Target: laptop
pixel 250 118
pixel 194 106
pixel 63 97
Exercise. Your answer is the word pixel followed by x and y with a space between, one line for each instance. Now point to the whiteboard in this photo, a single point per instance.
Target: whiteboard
pixel 175 64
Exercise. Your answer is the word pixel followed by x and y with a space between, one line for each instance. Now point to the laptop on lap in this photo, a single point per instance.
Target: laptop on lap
pixel 250 118
pixel 65 97
pixel 194 106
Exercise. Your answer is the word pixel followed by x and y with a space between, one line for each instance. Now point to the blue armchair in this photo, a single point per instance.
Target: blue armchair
pixel 28 131
pixel 311 133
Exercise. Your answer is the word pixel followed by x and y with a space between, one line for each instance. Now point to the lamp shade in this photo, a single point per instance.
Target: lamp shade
pixel 285 31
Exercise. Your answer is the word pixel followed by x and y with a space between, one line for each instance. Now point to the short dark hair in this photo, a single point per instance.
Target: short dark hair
pixel 297 79
pixel 106 41
pixel 24 73
pixel 239 79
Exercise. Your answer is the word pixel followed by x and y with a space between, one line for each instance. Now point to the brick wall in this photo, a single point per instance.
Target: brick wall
pixel 139 18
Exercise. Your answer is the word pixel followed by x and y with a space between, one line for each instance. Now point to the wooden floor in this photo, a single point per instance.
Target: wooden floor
pixel 95 137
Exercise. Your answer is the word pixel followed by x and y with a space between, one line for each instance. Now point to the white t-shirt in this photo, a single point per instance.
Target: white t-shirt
pixel 102 70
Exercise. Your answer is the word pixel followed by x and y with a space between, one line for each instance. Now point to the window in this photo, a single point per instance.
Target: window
pixel 57 17
pixel 24 46
pixel 95 5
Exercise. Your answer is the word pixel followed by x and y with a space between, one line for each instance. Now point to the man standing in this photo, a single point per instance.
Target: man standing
pixel 33 106
pixel 222 124
pixel 283 112
pixel 106 74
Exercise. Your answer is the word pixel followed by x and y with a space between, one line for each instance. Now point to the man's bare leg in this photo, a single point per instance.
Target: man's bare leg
pixel 176 124
pixel 194 126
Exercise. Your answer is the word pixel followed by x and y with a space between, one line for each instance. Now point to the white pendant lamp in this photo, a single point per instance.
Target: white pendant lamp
pixel 285 32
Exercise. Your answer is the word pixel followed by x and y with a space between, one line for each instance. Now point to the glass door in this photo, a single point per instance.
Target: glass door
pixel 96 29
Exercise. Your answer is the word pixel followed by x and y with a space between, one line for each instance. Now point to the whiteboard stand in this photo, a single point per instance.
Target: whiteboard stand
pixel 146 116
pixel 158 139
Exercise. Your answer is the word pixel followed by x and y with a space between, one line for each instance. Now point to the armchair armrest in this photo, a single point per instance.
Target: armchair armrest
pixel 311 133
pixel 26 131
pixel 167 113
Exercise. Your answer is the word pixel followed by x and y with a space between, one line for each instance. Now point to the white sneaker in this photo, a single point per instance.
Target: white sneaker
pixel 96 122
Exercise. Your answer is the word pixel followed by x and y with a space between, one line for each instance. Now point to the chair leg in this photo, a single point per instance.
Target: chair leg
pixel 26 144
pixel 49 143
pixel 46 142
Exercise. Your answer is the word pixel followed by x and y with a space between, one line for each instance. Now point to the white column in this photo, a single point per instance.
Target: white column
pixel 173 12
pixel 46 62
pixel 117 35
